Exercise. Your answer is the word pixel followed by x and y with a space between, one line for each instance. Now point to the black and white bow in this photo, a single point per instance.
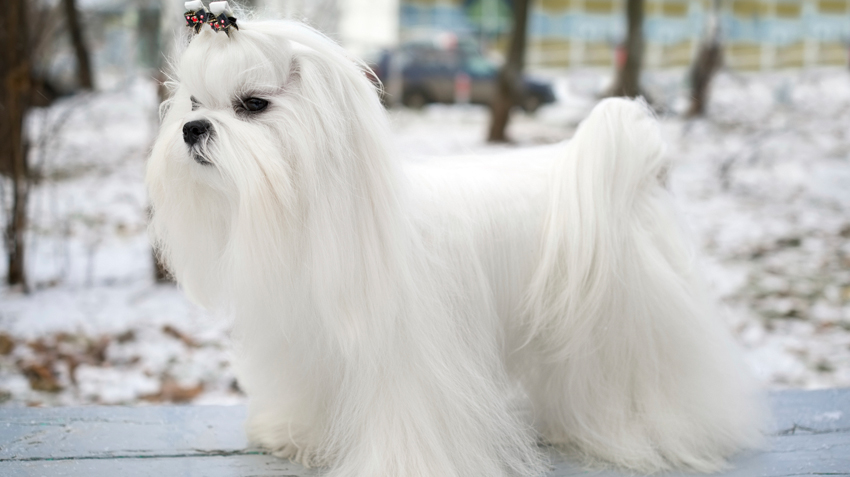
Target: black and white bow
pixel 218 17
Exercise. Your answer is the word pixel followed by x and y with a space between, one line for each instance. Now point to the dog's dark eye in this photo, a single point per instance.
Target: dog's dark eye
pixel 254 105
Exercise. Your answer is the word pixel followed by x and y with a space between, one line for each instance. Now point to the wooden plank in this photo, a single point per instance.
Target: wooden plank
pixel 810 436
pixel 213 466
pixel 101 432
pixel 826 410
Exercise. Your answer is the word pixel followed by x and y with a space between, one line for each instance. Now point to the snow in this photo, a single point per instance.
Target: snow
pixel 763 183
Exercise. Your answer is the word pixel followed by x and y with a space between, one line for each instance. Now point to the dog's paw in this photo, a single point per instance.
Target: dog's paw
pixel 285 440
pixel 307 456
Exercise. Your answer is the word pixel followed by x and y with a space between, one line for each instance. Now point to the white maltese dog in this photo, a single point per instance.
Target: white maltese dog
pixel 438 318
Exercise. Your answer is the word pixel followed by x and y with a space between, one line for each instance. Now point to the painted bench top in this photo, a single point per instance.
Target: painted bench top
pixel 811 436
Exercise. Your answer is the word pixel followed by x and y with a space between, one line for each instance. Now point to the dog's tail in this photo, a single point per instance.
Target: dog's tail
pixel 639 370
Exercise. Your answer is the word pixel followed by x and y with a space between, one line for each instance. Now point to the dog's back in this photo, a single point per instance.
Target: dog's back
pixel 493 207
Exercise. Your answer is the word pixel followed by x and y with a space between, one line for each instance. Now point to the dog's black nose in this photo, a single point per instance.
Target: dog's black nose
pixel 193 131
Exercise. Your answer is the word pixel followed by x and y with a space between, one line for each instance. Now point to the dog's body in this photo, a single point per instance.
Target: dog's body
pixel 395 321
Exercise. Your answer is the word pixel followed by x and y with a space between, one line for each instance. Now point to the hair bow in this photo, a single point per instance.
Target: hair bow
pixel 196 15
pixel 219 17
pixel 222 18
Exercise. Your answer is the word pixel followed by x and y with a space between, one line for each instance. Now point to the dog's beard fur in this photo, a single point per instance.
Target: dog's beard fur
pixel 385 318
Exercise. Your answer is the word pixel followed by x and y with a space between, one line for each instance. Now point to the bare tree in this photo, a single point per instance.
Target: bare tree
pixel 84 71
pixel 15 90
pixel 707 62
pixel 169 26
pixel 627 82
pixel 323 15
pixel 510 76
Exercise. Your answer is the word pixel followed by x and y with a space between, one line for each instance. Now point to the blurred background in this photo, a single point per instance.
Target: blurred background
pixel 753 97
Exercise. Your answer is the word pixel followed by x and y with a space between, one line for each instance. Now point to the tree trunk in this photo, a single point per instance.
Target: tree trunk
pixel 707 62
pixel 628 76
pixel 15 92
pixel 84 72
pixel 160 272
pixel 169 24
pixel 148 36
pixel 510 77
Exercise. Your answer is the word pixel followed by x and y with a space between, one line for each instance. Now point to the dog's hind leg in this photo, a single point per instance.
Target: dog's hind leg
pixel 635 369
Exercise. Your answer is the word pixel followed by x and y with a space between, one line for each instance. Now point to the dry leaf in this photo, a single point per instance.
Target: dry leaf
pixel 41 378
pixel 7 344
pixel 172 391
pixel 175 333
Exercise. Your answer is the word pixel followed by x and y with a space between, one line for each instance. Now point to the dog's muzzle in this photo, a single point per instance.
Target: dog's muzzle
pixel 195 131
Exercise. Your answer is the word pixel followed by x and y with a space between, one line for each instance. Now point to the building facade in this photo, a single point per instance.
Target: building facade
pixel 757 34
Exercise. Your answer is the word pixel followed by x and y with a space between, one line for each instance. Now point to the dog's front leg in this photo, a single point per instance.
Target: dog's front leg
pixel 281 428
pixel 285 411
pixel 419 401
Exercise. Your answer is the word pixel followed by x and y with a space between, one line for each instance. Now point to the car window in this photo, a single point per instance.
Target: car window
pixel 438 59
pixel 480 66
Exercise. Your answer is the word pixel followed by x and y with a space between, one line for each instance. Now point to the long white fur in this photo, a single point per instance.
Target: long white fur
pixel 395 320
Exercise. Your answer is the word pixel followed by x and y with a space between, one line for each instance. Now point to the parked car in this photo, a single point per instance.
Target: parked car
pixel 448 70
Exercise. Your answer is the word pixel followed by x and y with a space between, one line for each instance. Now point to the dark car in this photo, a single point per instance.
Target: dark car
pixel 449 71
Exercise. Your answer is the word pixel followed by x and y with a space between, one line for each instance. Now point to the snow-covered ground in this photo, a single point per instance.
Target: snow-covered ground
pixel 764 183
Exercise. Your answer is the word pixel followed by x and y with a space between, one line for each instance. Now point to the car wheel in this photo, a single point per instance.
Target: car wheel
pixel 530 104
pixel 415 100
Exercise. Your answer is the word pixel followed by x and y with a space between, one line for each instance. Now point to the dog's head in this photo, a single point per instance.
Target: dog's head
pixel 270 132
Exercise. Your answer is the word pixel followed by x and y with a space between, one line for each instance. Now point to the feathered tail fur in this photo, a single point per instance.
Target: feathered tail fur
pixel 637 370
